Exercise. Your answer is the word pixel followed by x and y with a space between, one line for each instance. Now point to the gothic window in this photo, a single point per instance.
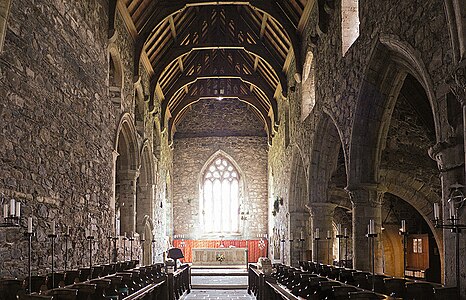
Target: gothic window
pixel 349 23
pixel 220 197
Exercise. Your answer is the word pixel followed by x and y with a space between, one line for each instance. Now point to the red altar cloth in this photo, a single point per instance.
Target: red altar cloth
pixel 254 251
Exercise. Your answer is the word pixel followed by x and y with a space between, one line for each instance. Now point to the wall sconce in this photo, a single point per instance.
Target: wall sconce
pixel 11 212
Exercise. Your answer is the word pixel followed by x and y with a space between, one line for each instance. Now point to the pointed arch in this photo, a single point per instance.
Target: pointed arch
pixel 145 187
pixel 390 62
pixel 221 186
pixel 127 131
pixel 326 147
pixel 115 75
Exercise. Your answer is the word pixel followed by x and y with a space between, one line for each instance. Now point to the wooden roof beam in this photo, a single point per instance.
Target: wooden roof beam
pixel 168 8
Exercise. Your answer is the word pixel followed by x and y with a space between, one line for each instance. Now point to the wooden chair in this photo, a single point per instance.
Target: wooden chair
pixel 360 279
pixel 85 290
pixel 419 291
pixel 395 287
pixel 9 288
pixel 71 277
pixel 363 296
pixel 341 292
pixel 63 294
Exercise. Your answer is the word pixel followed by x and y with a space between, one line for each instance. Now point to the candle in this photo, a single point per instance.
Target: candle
pixel 143 237
pixel 12 207
pixel 67 230
pixel 317 233
pixel 291 236
pixel 339 229
pixel 346 232
pixel 30 225
pixel 328 234
pixel 5 210
pixel 18 209
pixel 87 233
pixel 53 227
pixel 452 211
pixel 371 226
pixel 301 235
pixel 436 211
pixel 125 234
pixel 403 226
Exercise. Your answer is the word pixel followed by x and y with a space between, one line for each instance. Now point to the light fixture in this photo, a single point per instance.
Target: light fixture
pixel 11 212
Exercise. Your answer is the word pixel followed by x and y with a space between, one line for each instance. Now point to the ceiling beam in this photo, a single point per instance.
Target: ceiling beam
pixel 257 50
pixel 187 80
pixel 269 7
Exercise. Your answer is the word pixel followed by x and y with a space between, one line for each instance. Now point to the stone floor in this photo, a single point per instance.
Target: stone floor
pixel 218 294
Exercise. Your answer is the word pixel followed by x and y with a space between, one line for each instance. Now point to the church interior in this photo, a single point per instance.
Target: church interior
pixel 324 135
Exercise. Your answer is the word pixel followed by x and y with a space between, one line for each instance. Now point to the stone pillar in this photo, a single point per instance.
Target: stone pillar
pixel 144 200
pixel 367 204
pixel 127 181
pixel 450 160
pixel 322 218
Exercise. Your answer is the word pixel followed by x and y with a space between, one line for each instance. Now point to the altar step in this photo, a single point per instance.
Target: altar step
pixel 219 278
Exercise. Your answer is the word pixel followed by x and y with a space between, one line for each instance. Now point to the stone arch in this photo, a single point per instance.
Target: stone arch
pixel 4 12
pixel 115 75
pixel 419 196
pixel 243 208
pixel 145 189
pixel 390 62
pixel 326 146
pixel 126 174
pixel 455 12
pixel 297 200
pixel 308 100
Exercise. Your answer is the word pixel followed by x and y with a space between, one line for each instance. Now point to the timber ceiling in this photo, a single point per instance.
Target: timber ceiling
pixel 218 49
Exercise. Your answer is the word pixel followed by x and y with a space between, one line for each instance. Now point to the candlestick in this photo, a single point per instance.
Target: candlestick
pixel 29 238
pixel 346 231
pixel 30 225
pixel 436 211
pixel 12 207
pixel 317 234
pixel 328 234
pixel 403 225
pixel 339 229
pixel 53 227
pixel 18 209
pixel 371 226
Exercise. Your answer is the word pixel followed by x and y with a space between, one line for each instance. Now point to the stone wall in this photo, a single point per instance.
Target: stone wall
pixel 190 156
pixel 55 154
pixel 416 26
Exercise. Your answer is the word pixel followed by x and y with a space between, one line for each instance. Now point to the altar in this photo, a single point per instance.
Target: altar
pixel 219 256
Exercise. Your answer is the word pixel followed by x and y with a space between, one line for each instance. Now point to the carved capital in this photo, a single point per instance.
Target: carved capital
pixel 367 194
pixel 448 154
pixel 321 209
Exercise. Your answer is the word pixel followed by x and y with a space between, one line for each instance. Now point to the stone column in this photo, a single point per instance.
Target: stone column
pixel 322 218
pixel 367 204
pixel 450 160
pixel 128 200
pixel 144 200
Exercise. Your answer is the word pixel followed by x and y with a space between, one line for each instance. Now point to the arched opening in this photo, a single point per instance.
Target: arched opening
pixel 423 259
pixel 349 24
pixel 220 192
pixel 327 180
pixel 126 175
pixel 299 214
pixel 308 100
pixel 145 197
